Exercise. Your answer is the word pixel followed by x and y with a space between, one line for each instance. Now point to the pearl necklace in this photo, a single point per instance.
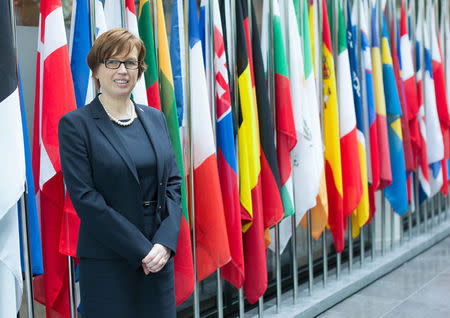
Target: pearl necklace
pixel 118 121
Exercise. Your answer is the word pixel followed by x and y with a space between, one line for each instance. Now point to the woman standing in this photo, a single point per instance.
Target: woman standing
pixel 122 177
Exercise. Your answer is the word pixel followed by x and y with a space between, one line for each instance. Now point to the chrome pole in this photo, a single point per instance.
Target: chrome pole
pixel 293 216
pixel 271 79
pixel 324 257
pixel 432 213
pixel 26 250
pixel 123 11
pixel 25 234
pixel 241 303
pixel 383 224
pixel 362 246
pixel 72 290
pixel 319 61
pixel 350 245
pixel 425 215
pixel 392 228
pixel 338 266
pixel 310 256
pixel 196 303
pixel 212 92
pixel 373 238
pixel 416 188
pixel 261 307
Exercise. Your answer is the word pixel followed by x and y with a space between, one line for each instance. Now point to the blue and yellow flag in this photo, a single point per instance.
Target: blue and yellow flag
pixel 396 193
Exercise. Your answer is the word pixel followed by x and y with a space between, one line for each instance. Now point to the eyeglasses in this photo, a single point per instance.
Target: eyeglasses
pixel 115 64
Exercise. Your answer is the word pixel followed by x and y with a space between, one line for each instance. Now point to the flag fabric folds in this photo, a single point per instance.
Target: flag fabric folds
pixel 211 235
pixel 371 133
pixel 333 171
pixel 410 160
pixel 234 270
pixel 177 56
pixel 351 167
pixel 396 192
pixel 286 137
pixel 361 215
pixel 434 141
pixel 308 153
pixel 423 171
pixel 409 82
pixel 285 26
pixel 54 97
pixel 183 263
pixel 151 73
pixel 255 283
pixel 12 170
pixel 441 95
pixel 380 106
pixel 37 267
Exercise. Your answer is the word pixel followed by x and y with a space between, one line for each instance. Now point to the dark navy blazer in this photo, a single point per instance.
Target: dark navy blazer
pixel 104 187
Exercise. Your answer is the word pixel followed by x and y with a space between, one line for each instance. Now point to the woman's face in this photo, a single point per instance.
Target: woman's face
pixel 118 83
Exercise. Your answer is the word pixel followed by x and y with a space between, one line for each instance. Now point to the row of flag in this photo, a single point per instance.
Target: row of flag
pixel 259 154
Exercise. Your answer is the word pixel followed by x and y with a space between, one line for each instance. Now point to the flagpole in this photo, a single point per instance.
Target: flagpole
pixel 271 83
pixel 320 75
pixel 367 142
pixel 155 33
pixel 25 239
pixel 196 303
pixel 122 13
pixel 233 82
pixel 335 24
pixel 212 92
pixel 293 216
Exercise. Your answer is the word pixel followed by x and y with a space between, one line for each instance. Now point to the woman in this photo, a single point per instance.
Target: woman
pixel 121 174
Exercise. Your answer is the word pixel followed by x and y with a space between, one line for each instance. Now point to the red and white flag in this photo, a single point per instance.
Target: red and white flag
pixel 54 97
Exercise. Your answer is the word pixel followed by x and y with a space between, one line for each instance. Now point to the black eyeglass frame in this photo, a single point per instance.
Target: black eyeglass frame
pixel 127 66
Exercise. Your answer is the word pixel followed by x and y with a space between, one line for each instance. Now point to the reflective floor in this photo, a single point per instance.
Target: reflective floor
pixel 419 288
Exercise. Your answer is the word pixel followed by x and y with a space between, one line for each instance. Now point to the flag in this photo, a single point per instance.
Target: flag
pixel 270 178
pixel 285 127
pixel 151 73
pixel 54 97
pixel 234 270
pixel 113 14
pixel 333 164
pixel 351 166
pixel 434 141
pixel 177 56
pixel 255 283
pixel 307 155
pixel 286 130
pixel 310 141
pixel 396 192
pixel 441 96
pixel 183 264
pixel 423 172
pixel 409 83
pixel 33 222
pixel 361 215
pixel 12 170
pixel 211 236
pixel 314 32
pixel 410 160
pixel 371 134
pixel 380 106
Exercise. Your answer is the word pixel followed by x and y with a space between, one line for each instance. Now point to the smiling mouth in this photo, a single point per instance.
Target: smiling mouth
pixel 121 81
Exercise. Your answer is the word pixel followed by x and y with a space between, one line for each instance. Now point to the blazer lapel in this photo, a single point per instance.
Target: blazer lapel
pixel 150 125
pixel 106 127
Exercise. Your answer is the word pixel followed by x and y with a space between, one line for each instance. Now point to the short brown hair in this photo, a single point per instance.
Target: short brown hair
pixel 116 41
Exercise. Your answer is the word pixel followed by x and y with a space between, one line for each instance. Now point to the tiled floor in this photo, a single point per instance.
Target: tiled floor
pixel 419 288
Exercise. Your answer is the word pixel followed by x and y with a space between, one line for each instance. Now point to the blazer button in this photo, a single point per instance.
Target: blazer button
pixel 159 207
pixel 160 183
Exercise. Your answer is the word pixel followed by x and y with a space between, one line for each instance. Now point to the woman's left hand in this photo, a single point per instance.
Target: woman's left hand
pixel 156 259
